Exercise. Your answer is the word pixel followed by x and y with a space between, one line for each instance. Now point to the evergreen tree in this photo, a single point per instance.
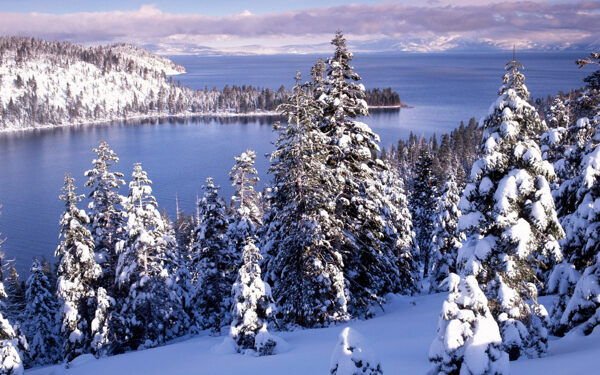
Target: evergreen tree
pixel 576 197
pixel 103 338
pixel 40 318
pixel 10 358
pixel 246 218
pixel 583 228
pixel 582 312
pixel 184 228
pixel 468 339
pixel 252 305
pixel 368 254
pixel 212 262
pixel 11 362
pixel 15 302
pixel 303 237
pixel 78 273
pixel 106 216
pixel 509 219
pixel 147 303
pixel 445 238
pixel 562 282
pixel 423 199
pixel 554 142
pixel 399 225
pixel 14 307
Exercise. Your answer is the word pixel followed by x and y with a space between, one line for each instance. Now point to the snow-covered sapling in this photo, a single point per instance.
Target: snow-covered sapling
pixel 468 339
pixel 353 356
pixel 252 306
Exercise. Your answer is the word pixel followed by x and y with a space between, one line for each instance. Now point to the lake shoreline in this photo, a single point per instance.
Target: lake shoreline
pixel 395 106
pixel 145 118
pixel 140 118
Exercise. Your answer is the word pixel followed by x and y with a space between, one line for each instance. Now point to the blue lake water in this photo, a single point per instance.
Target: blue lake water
pixel 178 155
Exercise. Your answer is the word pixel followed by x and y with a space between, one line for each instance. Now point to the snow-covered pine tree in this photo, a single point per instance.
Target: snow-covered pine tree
pixel 106 216
pixel 399 225
pixel 212 262
pixel 15 302
pixel 252 305
pixel 175 262
pixel 583 227
pixel 562 282
pixel 352 356
pixel 40 322
pixel 576 197
pixel 14 307
pixel 582 312
pixel 103 338
pixel 468 340
pixel 445 237
pixel 368 253
pixel 303 237
pixel 587 104
pixel 246 217
pixel 77 275
pixel 147 302
pixel 554 143
pixel 11 362
pixel 509 219
pixel 10 358
pixel 422 203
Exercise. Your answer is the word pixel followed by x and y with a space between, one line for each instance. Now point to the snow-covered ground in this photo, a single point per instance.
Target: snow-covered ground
pixel 400 336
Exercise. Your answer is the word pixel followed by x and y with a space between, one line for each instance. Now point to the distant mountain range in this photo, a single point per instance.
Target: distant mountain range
pixel 421 45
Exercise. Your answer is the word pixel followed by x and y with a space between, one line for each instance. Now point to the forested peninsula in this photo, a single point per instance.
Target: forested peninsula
pixel 60 83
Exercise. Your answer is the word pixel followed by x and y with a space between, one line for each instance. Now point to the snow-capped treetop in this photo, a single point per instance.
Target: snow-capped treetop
pixel 141 253
pixel 140 188
pixel 244 178
pixel 514 79
pixel 106 209
pixel 105 198
pixel 343 99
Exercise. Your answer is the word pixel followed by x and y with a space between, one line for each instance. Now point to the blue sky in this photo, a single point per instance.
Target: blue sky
pixel 278 26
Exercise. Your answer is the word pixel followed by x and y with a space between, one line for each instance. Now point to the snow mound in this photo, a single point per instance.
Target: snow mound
pixel 353 356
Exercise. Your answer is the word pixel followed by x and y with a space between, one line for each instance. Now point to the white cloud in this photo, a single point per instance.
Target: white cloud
pixel 434 25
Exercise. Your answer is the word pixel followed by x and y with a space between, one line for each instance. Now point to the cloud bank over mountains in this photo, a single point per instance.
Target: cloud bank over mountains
pixel 398 26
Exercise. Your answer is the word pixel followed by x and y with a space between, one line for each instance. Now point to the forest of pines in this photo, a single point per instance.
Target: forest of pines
pixel 496 214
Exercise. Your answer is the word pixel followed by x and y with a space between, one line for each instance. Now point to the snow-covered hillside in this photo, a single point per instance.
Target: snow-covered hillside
pixel 400 337
pixel 58 83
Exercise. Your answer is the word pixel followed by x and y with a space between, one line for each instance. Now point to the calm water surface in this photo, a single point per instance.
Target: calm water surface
pixel 178 155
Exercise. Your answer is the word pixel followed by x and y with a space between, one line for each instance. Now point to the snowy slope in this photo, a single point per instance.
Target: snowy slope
pixel 59 83
pixel 400 338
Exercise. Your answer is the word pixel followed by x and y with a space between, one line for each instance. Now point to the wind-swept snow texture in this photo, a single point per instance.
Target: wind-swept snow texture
pixel 400 337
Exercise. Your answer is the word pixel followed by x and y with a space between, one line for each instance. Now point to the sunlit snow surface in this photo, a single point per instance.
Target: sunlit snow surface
pixel 400 338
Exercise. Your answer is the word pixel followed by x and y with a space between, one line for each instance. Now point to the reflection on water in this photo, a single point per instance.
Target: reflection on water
pixel 177 153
